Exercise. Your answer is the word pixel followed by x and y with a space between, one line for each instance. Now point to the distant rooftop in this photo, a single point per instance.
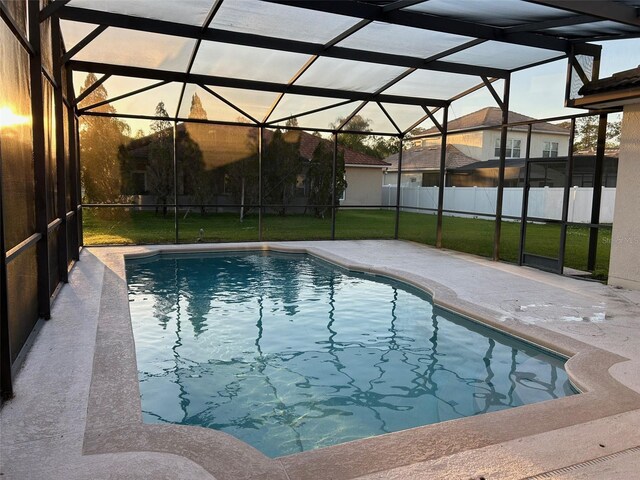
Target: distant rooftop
pixel 309 142
pixel 618 81
pixel 492 117
pixel 428 158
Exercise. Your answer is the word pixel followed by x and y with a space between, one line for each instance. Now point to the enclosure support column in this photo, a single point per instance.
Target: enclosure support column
pixel 565 199
pixel 333 185
pixel 61 172
pixel 73 162
pixel 441 182
pixel 175 180
pixel 260 202
pixel 597 193
pixel 397 228
pixel 503 154
pixel 78 181
pixel 525 198
pixel 6 384
pixel 39 162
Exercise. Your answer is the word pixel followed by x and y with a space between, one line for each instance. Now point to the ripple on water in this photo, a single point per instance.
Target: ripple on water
pixel 289 353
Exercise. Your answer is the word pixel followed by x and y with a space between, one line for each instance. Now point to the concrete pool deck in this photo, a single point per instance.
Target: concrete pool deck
pixel 76 413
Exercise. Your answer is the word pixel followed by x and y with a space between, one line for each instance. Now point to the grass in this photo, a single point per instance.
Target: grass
pixel 102 226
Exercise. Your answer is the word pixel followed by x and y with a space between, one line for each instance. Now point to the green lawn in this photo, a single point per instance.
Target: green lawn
pixel 462 234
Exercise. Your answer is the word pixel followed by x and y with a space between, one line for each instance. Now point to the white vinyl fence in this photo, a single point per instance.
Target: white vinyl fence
pixel 544 202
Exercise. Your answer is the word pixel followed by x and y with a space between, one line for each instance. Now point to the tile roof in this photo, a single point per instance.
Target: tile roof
pixel 428 158
pixel 492 116
pixel 618 81
pixel 309 142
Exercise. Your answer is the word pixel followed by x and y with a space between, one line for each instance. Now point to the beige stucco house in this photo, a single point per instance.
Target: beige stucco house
pixel 547 139
pixel 421 161
pixel 363 173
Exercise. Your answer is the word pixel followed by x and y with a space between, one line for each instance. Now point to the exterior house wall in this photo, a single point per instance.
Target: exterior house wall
pixel 537 142
pixel 481 145
pixel 624 267
pixel 364 186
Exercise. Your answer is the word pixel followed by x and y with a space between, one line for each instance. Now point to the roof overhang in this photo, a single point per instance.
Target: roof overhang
pixel 607 100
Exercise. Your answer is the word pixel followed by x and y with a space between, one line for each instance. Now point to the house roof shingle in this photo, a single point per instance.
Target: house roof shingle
pixel 492 117
pixel 428 158
pixel 308 144
pixel 618 81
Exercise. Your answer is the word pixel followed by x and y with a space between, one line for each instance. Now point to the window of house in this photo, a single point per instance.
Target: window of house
pixel 513 148
pixel 550 149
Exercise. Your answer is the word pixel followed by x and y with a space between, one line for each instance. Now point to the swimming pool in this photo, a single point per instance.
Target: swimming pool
pixel 289 353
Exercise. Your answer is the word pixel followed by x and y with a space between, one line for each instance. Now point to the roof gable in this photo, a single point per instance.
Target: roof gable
pixel 492 117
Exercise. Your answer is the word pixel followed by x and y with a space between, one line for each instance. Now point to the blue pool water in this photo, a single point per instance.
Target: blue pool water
pixel 289 353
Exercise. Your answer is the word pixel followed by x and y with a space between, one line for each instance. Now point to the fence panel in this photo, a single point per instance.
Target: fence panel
pixel 544 202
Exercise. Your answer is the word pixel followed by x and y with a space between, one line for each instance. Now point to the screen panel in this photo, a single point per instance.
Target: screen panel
pixel 282 21
pixel 191 12
pixel 400 40
pixel 16 141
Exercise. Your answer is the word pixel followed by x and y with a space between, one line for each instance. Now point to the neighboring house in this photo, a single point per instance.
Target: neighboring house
pixel 421 161
pixel 547 140
pixel 226 148
pixel 421 165
pixel 363 172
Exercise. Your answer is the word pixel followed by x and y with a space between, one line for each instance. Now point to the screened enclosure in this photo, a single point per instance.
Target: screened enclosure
pixel 132 122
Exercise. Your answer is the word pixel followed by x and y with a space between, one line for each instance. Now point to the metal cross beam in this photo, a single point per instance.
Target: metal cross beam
pixel 15 29
pixel 350 31
pixel 83 43
pixel 604 9
pixel 441 24
pixel 52 8
pixel 271 43
pixel 553 23
pixel 127 71
pixel 212 13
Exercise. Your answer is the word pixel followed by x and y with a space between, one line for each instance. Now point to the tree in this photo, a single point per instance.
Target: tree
pixel 195 180
pixel 386 146
pixel 587 133
pixel 160 167
pixel 372 145
pixel 320 178
pixel 281 164
pixel 242 175
pixel 197 111
pixel 101 139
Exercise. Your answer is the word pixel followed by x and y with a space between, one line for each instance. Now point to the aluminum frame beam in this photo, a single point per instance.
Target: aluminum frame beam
pixel 271 43
pixel 602 9
pixel 441 24
pixel 128 71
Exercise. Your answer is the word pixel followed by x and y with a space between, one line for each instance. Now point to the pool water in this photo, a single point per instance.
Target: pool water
pixel 290 353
